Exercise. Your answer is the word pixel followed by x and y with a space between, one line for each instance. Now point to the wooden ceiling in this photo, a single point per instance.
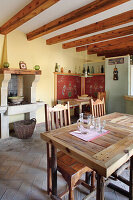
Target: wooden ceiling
pixel 27 13
pixel 114 42
pixel 92 28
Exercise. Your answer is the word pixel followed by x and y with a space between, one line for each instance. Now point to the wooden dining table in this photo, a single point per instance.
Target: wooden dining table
pixel 76 102
pixel 104 154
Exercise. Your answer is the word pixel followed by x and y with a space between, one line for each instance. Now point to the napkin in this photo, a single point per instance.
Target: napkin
pixel 88 134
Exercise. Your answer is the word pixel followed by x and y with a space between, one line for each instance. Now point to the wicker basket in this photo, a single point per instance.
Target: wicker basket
pixel 24 129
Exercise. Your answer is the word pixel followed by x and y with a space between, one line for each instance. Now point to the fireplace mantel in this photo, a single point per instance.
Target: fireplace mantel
pixel 29 82
pixel 19 71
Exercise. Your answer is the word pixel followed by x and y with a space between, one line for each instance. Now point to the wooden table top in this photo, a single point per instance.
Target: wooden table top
pixel 75 102
pixel 104 154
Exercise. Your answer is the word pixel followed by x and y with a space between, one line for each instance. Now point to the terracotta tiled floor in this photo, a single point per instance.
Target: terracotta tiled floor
pixel 23 171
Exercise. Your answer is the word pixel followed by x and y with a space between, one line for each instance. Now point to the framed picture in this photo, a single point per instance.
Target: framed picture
pixel 115 61
pixel 22 65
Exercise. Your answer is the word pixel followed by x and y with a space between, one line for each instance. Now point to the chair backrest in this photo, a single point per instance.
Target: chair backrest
pixel 98 107
pixel 57 116
pixel 101 95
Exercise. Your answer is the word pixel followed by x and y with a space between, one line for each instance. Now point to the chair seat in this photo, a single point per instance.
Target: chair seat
pixel 69 167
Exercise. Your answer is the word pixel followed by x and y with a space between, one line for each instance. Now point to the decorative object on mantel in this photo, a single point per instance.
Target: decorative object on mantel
pixel 6 64
pixel 69 71
pixel 79 70
pixel 88 70
pixel 37 67
pixel 62 70
pixel 85 72
pixel 22 65
pixel 59 68
pixel 56 67
pixel 16 99
pixel 102 69
pixel 92 70
pixel 83 69
pixel 115 74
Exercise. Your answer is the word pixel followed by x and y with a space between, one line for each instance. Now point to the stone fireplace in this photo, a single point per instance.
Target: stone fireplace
pixel 21 83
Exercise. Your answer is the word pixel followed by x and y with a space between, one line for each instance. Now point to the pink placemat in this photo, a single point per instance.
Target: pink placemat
pixel 91 134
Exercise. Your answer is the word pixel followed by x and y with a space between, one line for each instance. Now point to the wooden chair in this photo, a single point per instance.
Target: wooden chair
pixel 98 107
pixel 70 169
pixel 101 95
pixel 117 176
pixel 98 110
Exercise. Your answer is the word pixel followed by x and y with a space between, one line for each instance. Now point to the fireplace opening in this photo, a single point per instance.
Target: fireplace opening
pixel 13 86
pixel 15 91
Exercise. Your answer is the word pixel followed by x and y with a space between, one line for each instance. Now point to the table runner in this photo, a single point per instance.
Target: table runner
pixel 91 134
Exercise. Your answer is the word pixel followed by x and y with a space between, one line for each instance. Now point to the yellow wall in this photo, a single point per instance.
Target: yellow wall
pixel 36 52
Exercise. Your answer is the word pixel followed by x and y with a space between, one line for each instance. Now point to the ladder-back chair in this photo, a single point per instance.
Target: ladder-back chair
pixel 71 170
pixel 98 110
pixel 98 107
pixel 101 95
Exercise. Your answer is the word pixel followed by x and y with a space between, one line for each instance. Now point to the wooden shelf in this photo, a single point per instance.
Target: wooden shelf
pixel 72 74
pixel 98 74
pixel 97 61
pixel 19 71
pixel 128 97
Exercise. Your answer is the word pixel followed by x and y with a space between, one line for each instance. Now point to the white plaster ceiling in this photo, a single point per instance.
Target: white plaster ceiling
pixel 8 8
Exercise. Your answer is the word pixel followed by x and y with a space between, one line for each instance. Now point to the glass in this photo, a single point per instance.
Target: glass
pixel 90 118
pixel 93 123
pixel 97 124
pixel 82 123
pixel 102 125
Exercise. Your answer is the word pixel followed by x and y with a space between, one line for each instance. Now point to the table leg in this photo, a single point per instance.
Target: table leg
pixel 131 179
pixel 87 177
pixel 100 188
pixel 54 170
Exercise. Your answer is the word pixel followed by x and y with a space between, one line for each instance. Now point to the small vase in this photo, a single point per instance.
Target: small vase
pixel 92 70
pixel 102 69
pixel 62 70
pixel 56 67
pixel 5 64
pixel 37 67
pixel 59 68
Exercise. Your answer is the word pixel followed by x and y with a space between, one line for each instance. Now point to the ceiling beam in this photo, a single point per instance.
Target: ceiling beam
pixel 99 37
pixel 92 28
pixel 81 13
pixel 118 43
pixel 28 12
pixel 103 51
pixel 118 52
